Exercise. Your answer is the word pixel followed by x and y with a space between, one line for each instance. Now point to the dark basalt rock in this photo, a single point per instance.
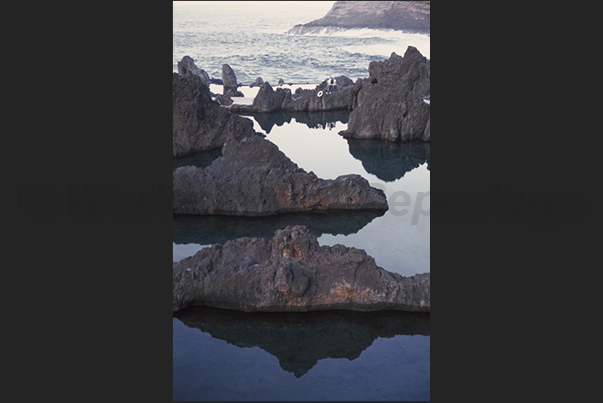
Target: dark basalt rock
pixel 224 100
pixel 390 102
pixel 300 339
pixel 254 178
pixel 228 78
pixel 257 83
pixel 200 123
pixel 409 16
pixel 187 67
pixel 233 93
pixel 269 100
pixel 291 272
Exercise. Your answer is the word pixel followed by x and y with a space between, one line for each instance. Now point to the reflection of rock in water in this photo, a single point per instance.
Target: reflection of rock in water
pixel 389 160
pixel 427 153
pixel 207 230
pixel 201 159
pixel 299 340
pixel 314 120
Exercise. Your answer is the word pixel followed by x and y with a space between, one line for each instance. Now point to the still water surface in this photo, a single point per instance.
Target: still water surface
pixel 227 355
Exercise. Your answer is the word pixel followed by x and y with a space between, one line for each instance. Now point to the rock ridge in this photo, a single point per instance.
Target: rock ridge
pixel 254 178
pixel 292 272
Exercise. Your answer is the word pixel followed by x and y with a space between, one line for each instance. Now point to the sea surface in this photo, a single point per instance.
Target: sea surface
pixel 226 355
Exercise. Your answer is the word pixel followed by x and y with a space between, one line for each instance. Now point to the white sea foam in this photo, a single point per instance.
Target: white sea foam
pixel 393 40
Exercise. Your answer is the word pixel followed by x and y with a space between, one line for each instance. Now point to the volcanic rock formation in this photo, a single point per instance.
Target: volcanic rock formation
pixel 291 272
pixel 390 103
pixel 254 178
pixel 200 123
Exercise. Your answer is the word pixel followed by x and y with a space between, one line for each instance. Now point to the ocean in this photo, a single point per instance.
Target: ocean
pixel 250 37
pixel 214 359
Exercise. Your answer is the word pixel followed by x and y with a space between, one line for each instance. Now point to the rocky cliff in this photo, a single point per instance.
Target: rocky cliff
pixel 409 16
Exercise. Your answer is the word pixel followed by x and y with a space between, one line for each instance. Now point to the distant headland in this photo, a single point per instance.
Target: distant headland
pixel 409 16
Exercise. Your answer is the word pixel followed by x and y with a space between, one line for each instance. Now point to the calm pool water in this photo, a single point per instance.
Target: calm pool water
pixel 229 355
pixel 336 355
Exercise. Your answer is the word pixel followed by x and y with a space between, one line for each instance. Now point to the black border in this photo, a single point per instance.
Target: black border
pixel 89 101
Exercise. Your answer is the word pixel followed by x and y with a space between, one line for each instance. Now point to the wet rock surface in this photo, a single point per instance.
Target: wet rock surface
pixel 291 272
pixel 254 178
pixel 300 340
pixel 390 103
pixel 200 123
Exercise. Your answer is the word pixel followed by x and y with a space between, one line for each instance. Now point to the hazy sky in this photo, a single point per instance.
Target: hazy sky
pixel 321 7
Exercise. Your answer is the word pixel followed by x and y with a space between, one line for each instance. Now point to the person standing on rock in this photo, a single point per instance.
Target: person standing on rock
pixel 329 85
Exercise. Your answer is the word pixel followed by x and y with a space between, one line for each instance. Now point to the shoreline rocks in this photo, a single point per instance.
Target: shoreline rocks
pixel 269 100
pixel 229 82
pixel 200 123
pixel 187 67
pixel 254 178
pixel 390 102
pixel 257 83
pixel 292 272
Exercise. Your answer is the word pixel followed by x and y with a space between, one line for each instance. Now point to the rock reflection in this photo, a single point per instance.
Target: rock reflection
pixel 207 230
pixel 200 159
pixel 298 340
pixel 388 160
pixel 314 120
